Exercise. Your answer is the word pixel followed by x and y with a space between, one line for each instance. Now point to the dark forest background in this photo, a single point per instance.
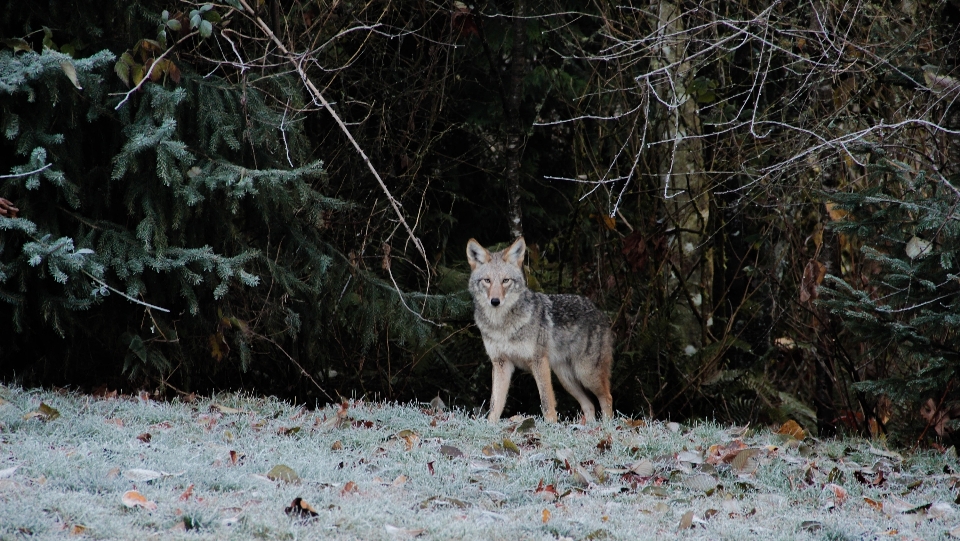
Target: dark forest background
pixel 276 195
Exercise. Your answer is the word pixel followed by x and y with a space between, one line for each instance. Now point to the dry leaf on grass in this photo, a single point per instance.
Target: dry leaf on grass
pixel 284 473
pixel 43 412
pixel 791 428
pixel 450 451
pixel 402 532
pixel 132 498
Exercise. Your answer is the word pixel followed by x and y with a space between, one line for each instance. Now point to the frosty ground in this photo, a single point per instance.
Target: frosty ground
pixel 237 466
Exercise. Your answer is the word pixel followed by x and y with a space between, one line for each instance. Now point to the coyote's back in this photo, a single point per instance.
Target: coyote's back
pixel 538 333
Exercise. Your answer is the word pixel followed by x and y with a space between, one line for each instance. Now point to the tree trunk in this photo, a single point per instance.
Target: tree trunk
pixel 514 126
pixel 683 185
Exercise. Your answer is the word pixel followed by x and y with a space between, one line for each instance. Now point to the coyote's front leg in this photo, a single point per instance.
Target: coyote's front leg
pixel 548 402
pixel 502 371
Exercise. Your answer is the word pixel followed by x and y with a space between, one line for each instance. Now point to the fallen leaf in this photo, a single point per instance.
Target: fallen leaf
pixel 839 493
pixel 527 425
pixel 441 501
pixel 186 494
pixel 132 498
pixel 874 504
pixel 510 447
pixel 145 437
pixel 409 437
pixel 337 446
pixel 141 475
pixel 700 482
pixel 643 468
pixel 691 457
pixel 745 463
pixel 547 492
pixel 78 529
pixel 437 404
pixel 546 516
pixel 44 413
pixel 724 453
pixel 399 481
pixel 284 473
pixel 402 532
pixel 224 409
pixel 605 444
pixel 791 428
pixel 450 451
pixel 349 488
pixel 686 521
pixel 430 467
pixel 301 509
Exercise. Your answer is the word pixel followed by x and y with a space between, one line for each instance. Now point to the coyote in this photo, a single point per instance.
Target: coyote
pixel 536 332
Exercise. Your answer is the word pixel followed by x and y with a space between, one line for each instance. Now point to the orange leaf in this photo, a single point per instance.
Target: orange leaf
pixel 546 515
pixel 132 498
pixel 791 428
pixel 186 494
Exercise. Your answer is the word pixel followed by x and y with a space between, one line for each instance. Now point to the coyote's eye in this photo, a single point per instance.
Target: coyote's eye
pixel 506 281
pixel 485 281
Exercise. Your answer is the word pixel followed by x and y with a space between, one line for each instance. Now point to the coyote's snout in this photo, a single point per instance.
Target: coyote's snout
pixel 538 333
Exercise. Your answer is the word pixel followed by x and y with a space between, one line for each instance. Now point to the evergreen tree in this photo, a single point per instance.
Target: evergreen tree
pixel 173 224
pixel 901 307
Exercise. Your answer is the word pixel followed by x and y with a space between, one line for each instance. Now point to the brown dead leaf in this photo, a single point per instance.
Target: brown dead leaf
pixel 78 529
pixel 337 446
pixel 186 494
pixel 724 453
pixel 132 498
pixel 349 488
pixel 409 437
pixel 547 492
pixel 145 437
pixel 791 428
pixel 450 451
pixel 874 504
pixel 745 463
pixel 686 521
pixel 546 516
pixel 114 421
pixel 839 493
pixel 605 444
pixel 813 274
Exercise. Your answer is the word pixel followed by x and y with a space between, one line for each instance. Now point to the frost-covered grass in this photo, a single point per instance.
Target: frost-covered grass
pixel 387 471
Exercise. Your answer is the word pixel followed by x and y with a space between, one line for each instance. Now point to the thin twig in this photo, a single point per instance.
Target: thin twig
pixel 124 295
pixel 318 96
pixel 28 173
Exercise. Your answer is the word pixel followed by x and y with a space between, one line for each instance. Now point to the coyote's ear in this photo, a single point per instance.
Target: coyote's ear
pixel 476 255
pixel 514 254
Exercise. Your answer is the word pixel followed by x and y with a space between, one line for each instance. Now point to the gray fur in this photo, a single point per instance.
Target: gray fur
pixel 538 333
